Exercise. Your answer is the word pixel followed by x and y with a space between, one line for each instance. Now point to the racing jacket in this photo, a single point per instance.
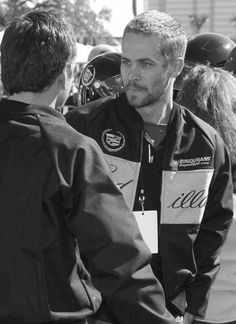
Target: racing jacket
pixel 189 183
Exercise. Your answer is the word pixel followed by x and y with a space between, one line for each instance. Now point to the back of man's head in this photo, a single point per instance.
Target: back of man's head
pixel 34 51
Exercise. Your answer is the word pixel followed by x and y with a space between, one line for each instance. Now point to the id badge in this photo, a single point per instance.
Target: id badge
pixel 148 226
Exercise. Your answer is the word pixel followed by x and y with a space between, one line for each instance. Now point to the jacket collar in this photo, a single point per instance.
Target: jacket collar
pixel 174 123
pixel 12 107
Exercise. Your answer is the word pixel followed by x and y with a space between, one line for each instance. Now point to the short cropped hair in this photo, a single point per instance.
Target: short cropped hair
pixel 34 51
pixel 167 28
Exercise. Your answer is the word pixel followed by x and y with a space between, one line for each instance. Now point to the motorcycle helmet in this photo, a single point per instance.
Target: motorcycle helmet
pixel 209 48
pixel 100 49
pixel 230 64
pixel 205 48
pixel 100 78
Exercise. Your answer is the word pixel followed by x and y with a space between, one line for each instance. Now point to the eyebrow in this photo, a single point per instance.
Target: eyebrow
pixel 143 59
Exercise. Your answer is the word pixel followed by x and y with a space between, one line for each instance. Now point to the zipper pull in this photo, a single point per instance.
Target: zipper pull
pixel 150 154
pixel 141 200
pixel 151 143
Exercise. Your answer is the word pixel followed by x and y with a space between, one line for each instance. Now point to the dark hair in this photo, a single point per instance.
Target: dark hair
pixel 34 51
pixel 210 93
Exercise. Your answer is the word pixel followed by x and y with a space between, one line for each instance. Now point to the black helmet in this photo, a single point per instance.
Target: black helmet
pixel 100 78
pixel 100 49
pixel 230 64
pixel 209 48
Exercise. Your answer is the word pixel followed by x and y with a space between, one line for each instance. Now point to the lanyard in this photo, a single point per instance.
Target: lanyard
pixel 151 150
pixel 151 147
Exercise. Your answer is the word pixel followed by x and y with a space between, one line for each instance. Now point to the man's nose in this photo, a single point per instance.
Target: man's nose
pixel 134 73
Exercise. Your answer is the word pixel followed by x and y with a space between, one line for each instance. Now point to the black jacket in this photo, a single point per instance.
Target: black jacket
pixel 189 183
pixel 59 205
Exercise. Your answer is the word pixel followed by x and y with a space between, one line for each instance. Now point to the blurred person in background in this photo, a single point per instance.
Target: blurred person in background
pixel 210 93
pixel 173 168
pixel 60 209
pixel 230 65
pixel 213 49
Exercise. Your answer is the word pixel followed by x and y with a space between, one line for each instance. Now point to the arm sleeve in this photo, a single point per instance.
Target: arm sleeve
pixel 213 231
pixel 109 239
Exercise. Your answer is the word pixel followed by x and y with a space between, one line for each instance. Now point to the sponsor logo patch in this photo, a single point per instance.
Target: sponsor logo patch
pixel 112 140
pixel 184 163
pixel 88 75
pixel 184 196
pixel 190 199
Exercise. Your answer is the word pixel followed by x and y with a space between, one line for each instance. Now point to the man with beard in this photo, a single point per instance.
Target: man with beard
pixel 172 168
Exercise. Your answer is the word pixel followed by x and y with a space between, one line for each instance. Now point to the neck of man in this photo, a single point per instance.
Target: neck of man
pixel 159 111
pixel 35 98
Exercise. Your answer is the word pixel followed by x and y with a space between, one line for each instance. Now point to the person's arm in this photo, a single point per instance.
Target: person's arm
pixel 109 239
pixel 213 230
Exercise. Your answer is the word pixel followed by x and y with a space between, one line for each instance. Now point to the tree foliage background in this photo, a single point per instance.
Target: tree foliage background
pixel 89 25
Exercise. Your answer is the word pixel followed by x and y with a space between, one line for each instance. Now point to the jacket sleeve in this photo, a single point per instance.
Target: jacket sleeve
pixel 110 241
pixel 213 231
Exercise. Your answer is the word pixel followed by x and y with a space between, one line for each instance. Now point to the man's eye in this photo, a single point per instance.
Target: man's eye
pixel 125 62
pixel 146 64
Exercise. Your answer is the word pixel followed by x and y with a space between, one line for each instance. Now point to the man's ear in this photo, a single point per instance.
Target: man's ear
pixel 175 67
pixel 62 78
pixel 178 66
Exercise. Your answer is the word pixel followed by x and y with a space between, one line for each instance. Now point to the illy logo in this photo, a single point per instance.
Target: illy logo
pixel 191 199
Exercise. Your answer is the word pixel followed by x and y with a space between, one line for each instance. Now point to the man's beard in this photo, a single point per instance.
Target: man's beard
pixel 135 99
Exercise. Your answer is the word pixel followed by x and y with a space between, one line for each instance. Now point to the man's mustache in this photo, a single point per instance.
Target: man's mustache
pixel 133 86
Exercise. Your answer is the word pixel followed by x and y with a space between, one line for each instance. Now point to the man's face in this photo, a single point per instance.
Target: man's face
pixel 143 69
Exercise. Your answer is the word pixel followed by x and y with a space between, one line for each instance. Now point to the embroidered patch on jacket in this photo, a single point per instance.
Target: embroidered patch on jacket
pixel 88 75
pixel 184 163
pixel 112 140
